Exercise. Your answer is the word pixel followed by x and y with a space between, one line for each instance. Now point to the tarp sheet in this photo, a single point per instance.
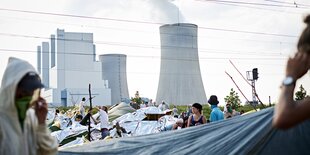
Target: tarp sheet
pixel 119 110
pixel 248 134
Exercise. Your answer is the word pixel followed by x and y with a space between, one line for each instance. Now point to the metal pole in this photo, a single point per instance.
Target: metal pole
pixel 248 83
pixel 240 90
pixel 253 93
pixel 90 108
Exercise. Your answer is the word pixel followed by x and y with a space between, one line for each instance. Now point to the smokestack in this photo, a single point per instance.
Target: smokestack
pixel 39 59
pixel 45 64
pixel 53 54
pixel 180 80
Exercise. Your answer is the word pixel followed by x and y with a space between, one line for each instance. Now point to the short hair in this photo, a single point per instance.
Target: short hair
pixel 104 108
pixel 198 106
pixel 79 117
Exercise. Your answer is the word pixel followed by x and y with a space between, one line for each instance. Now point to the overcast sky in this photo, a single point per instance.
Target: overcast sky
pixel 252 34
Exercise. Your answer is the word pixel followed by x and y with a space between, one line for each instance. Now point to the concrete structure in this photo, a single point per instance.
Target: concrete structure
pixel 180 80
pixel 114 70
pixel 45 64
pixel 39 59
pixel 71 67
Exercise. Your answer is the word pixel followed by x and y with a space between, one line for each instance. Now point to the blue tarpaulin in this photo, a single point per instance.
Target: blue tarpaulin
pixel 248 134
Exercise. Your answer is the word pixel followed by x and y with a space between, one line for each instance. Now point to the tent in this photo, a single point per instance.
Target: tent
pixel 248 134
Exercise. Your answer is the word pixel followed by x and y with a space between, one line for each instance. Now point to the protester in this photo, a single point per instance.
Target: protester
pixel 177 125
pixel 241 112
pixel 163 106
pixel 189 110
pixel 288 112
pixel 134 105
pixel 151 103
pixel 196 118
pixel 142 105
pixel 81 107
pixel 230 111
pixel 89 116
pixel 104 121
pixel 57 116
pixel 23 112
pixel 175 112
pixel 77 120
pixel 216 113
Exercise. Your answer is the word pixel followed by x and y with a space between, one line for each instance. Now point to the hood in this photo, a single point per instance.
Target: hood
pixel 14 72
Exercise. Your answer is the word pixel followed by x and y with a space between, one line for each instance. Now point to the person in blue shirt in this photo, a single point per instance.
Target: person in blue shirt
pixel 216 113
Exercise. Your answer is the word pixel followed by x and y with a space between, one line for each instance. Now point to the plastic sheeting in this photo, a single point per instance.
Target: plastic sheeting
pixel 119 110
pixel 248 134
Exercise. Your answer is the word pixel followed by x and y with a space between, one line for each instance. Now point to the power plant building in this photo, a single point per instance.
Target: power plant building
pixel 67 65
pixel 114 70
pixel 180 81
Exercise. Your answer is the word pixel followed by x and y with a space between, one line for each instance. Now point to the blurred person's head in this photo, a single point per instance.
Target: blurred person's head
pixel 229 107
pixel 213 100
pixel 24 94
pixel 78 118
pixel 104 108
pixel 304 39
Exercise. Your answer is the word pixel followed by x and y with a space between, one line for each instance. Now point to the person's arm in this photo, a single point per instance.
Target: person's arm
pixel 95 121
pixel 189 121
pixel 174 126
pixel 204 120
pixel 287 112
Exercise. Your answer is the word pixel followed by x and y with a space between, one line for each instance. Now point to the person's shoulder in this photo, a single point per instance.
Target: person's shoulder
pixel 102 112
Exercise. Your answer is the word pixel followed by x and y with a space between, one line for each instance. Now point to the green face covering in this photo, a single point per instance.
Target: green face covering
pixel 229 109
pixel 22 105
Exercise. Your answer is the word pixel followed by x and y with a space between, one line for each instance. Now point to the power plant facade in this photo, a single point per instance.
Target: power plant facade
pixel 67 65
pixel 114 70
pixel 180 81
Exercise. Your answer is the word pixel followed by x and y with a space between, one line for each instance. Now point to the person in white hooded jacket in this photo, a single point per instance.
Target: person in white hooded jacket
pixel 22 126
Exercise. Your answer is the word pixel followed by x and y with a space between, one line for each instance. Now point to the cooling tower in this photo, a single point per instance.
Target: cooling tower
pixel 180 80
pixel 114 70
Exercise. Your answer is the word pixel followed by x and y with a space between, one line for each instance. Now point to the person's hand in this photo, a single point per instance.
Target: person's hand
pixel 298 65
pixel 41 110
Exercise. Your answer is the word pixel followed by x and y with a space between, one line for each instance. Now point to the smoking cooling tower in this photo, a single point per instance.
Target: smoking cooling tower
pixel 180 80
pixel 114 70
